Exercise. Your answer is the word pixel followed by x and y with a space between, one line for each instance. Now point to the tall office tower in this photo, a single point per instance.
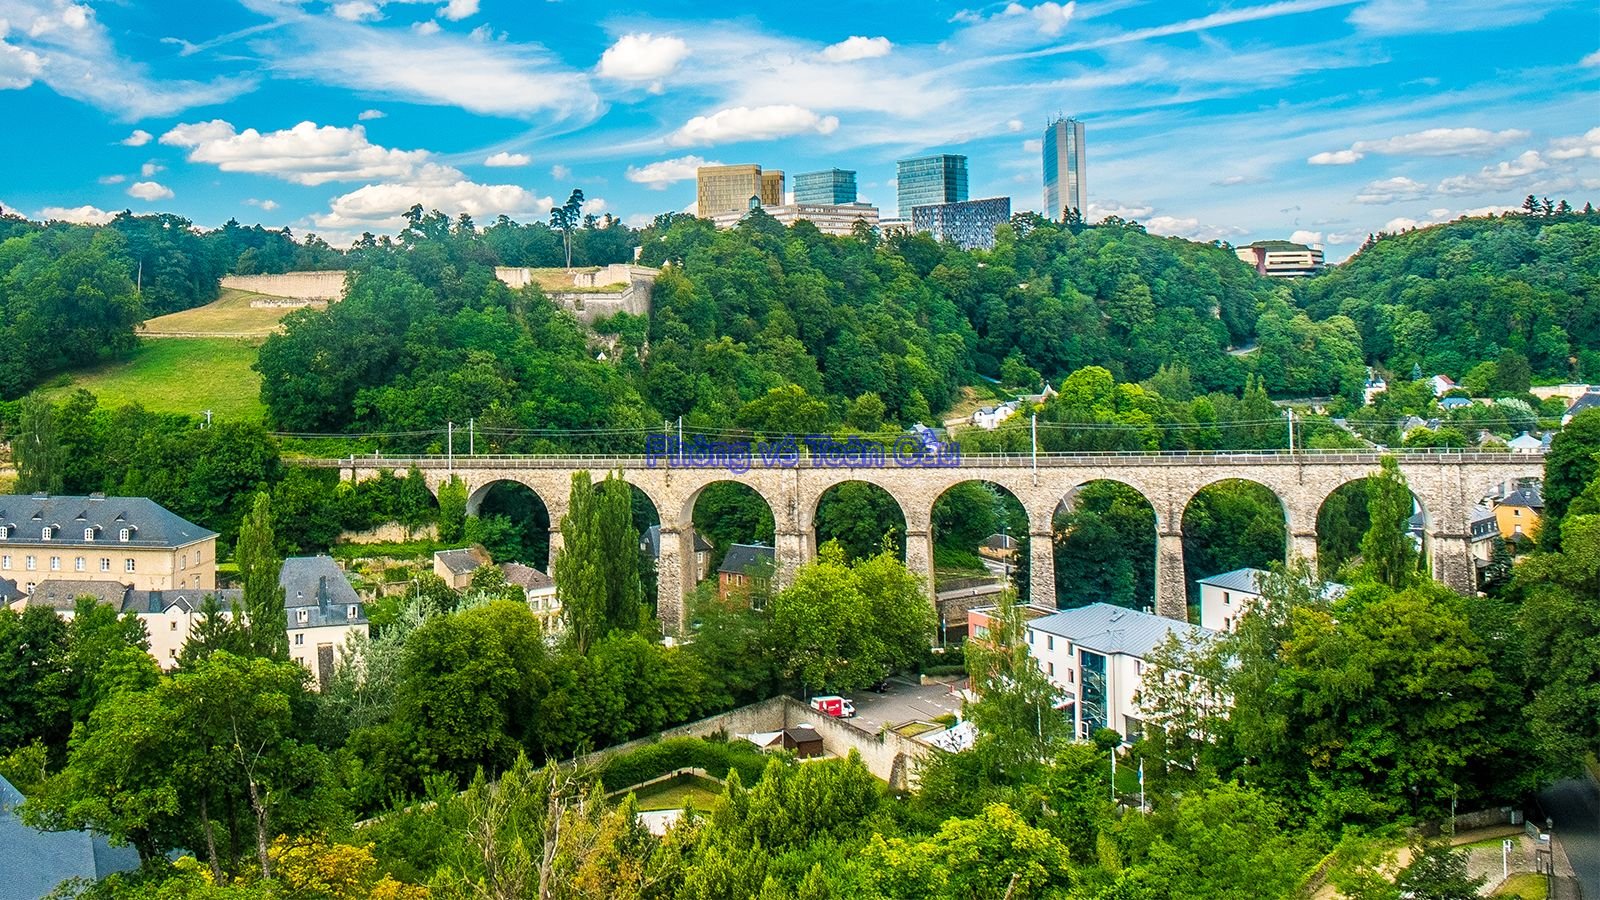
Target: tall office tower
pixel 832 187
pixel 1064 186
pixel 721 189
pixel 930 180
pixel 772 187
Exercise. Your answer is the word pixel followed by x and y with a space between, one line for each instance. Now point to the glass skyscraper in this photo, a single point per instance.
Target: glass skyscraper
pixel 831 187
pixel 1064 186
pixel 930 181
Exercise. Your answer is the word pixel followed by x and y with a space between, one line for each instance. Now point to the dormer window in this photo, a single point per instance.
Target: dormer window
pixel 353 611
pixel 5 532
pixel 91 533
pixel 302 615
pixel 47 532
pixel 124 534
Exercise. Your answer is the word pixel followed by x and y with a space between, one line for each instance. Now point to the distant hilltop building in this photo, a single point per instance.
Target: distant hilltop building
pixel 831 187
pixel 721 189
pixel 1064 184
pixel 930 181
pixel 969 224
pixel 1281 259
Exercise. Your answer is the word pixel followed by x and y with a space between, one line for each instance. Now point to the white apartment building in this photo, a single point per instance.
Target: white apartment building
pixel 1096 657
pixel 321 610
pixel 539 590
pixel 1225 598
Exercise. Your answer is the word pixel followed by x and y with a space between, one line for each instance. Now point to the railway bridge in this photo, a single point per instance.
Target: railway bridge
pixel 1445 484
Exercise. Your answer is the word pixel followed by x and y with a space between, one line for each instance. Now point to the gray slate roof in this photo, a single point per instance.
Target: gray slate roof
pixel 527 577
pixel 1247 580
pixel 1589 400
pixel 742 558
pixel 1525 496
pixel 1479 513
pixel 36 861
pixel 650 542
pixel 9 591
pixel 1109 629
pixel 188 599
pixel 152 524
pixel 462 562
pixel 62 594
pixel 317 585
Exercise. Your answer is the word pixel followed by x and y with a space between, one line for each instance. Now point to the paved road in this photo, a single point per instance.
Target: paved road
pixel 905 701
pixel 1575 807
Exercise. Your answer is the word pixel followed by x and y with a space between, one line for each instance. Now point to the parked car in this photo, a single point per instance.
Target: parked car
pixel 834 705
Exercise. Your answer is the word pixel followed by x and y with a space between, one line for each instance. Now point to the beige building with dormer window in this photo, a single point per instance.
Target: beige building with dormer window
pixel 127 540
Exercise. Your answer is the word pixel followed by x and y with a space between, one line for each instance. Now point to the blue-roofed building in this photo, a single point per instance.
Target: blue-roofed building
pixel 1224 598
pixel 33 863
pixel 1095 656
pixel 321 610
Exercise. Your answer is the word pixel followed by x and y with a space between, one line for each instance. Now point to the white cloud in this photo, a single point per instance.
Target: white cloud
pixel 507 160
pixel 82 215
pixel 1236 180
pixel 112 179
pixel 1334 158
pixel 382 206
pixel 150 190
pixel 1306 237
pixel 1033 145
pixel 1496 177
pixel 1402 223
pixel 560 173
pixel 150 168
pixel 426 27
pixel 642 57
pixel 66 47
pixel 265 205
pixel 1592 59
pixel 857 47
pixel 357 11
pixel 456 10
pixel 1585 145
pixel 594 205
pixel 1051 18
pixel 1191 229
pixel 1444 16
pixel 1391 190
pixel 1097 211
pixel 491 77
pixel 1432 142
pixel 305 154
pixel 139 138
pixel 658 175
pixel 744 123
pixel 369 114
pixel 1013 125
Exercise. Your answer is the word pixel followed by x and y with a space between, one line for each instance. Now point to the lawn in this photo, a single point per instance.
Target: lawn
pixel 1527 885
pixel 181 375
pixel 231 314
pixel 678 793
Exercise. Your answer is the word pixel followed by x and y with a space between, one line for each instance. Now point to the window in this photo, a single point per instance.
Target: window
pixel 302 615
pixel 105 563
pixel 79 564
pixel 1138 667
pixel 1227 624
pixel 48 532
pixel 5 531
pixel 123 535
pixel 89 533
pixel 353 611
pixel 1227 599
pixel 1030 635
pixel 5 561
pixel 1049 642
pixel 1050 669
pixel 1516 513
pixel 172 626
pixel 183 559
pixel 55 563
pixel 127 565
pixel 32 563
pixel 299 640
pixel 1516 529
pixel 1072 676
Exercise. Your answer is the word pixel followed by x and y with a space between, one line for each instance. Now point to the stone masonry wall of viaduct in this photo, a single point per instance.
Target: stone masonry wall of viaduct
pixel 1446 485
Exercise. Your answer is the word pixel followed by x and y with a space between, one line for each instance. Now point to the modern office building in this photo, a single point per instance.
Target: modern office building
pixel 721 189
pixel 1064 185
pixel 930 181
pixel 830 218
pixel 970 224
pixel 833 187
pixel 1282 259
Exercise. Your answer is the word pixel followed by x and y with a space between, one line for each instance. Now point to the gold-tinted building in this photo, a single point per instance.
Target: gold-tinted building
pixel 723 189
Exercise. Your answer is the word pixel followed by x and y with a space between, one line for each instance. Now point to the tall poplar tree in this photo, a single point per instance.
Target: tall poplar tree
pixel 40 458
pixel 597 569
pixel 259 564
pixel 1386 548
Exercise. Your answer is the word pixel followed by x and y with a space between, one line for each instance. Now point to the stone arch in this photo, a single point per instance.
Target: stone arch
pixel 1096 512
pixel 1253 534
pixel 736 520
pixel 962 522
pixel 530 516
pixel 859 490
pixel 1422 524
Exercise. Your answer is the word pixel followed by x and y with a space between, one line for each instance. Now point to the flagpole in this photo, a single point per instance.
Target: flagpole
pixel 1141 784
pixel 1113 775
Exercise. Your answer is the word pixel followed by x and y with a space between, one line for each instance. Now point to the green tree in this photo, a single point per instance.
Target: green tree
pixel 452 510
pixel 1387 552
pixel 566 218
pixel 259 565
pixel 1439 872
pixel 1569 467
pixel 36 450
pixel 597 567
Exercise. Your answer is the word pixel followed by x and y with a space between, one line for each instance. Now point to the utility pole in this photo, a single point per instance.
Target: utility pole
pixel 680 438
pixel 208 419
pixel 1289 413
pixel 472 436
pixel 1034 428
pixel 450 448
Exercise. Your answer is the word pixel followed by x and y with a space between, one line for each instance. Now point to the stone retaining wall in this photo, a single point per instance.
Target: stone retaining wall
pixel 291 285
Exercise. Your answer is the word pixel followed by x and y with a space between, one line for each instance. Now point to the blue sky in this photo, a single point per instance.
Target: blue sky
pixel 1325 119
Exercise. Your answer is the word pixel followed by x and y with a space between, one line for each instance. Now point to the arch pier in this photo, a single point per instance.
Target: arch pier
pixel 1445 484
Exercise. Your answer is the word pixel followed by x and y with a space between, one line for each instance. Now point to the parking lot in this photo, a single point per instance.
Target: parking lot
pixel 904 701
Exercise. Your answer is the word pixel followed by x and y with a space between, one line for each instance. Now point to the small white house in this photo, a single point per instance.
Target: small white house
pixel 1526 443
pixel 1095 656
pixel 990 417
pixel 1225 598
pixel 1442 384
pixel 539 590
pixel 322 610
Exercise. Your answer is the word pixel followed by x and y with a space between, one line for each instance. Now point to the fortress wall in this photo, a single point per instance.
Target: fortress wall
pixel 293 285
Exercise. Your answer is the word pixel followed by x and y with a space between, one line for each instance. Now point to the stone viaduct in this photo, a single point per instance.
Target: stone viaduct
pixel 1445 484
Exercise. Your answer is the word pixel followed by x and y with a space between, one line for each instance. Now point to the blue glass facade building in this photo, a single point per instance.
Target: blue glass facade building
pixel 831 187
pixel 930 180
pixel 970 224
